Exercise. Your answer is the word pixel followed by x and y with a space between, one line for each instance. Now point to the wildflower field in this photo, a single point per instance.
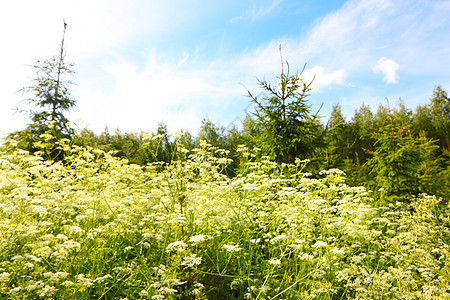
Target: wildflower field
pixel 96 227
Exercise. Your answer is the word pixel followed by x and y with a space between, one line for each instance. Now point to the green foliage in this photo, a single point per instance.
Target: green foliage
pixel 408 144
pixel 422 121
pixel 211 133
pixel 288 130
pixel 402 164
pixel 337 138
pixel 51 99
pixel 362 128
pixel 440 112
pixel 138 148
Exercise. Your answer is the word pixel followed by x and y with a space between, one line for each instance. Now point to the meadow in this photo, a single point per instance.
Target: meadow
pixel 94 226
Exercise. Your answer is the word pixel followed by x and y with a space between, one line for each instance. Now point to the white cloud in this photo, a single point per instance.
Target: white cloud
pixel 344 41
pixel 388 68
pixel 346 31
pixel 259 10
pixel 161 90
pixel 322 78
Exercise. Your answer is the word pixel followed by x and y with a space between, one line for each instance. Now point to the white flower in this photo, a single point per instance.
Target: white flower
pixel 274 261
pixel 305 256
pixel 232 248
pixel 295 246
pixel 196 239
pixel 198 285
pixel 103 278
pixel 41 211
pixel 178 246
pixel 319 244
pixel 71 245
pixel 67 283
pixel 279 238
pixel 47 291
pixel 15 290
pixel 62 237
pixel 177 218
pixel 196 292
pixel 337 251
pixel 55 276
pixel 28 265
pixel 4 277
pixel 191 261
pixel 332 171
pixel 75 230
pixel 84 281
pixel 34 285
pixel 249 186
pixel 166 290
pixel 17 257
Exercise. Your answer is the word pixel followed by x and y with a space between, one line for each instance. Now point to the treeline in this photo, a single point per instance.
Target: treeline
pixel 396 149
pixel 396 152
pixel 400 150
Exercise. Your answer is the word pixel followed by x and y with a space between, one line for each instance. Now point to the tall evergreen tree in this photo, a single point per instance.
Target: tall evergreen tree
pixel 212 134
pixel 401 114
pixel 288 129
pixel 51 100
pixel 338 139
pixel 402 164
pixel 440 117
pixel 362 130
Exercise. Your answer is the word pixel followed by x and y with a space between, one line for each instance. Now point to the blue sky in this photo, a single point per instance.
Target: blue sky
pixel 141 62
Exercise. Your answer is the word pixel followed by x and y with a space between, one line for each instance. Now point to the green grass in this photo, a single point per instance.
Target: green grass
pixel 96 227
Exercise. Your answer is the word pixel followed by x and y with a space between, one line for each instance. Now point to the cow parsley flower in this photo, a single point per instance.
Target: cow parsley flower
pixel 87 282
pixel 337 251
pixel 319 244
pixel 167 291
pixel 4 277
pixel 15 290
pixel 274 261
pixel 305 256
pixel 232 248
pixel 196 239
pixel 198 285
pixel 278 238
pixel 191 261
pixel 178 246
pixel 67 283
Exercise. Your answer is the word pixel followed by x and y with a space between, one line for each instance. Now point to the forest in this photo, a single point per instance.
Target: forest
pixel 286 207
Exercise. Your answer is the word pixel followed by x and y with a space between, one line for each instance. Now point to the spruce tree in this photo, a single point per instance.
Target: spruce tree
pixel 50 98
pixel 288 129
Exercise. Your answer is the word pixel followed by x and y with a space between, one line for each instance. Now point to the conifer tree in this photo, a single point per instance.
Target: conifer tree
pixel 402 164
pixel 49 95
pixel 440 113
pixel 288 129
